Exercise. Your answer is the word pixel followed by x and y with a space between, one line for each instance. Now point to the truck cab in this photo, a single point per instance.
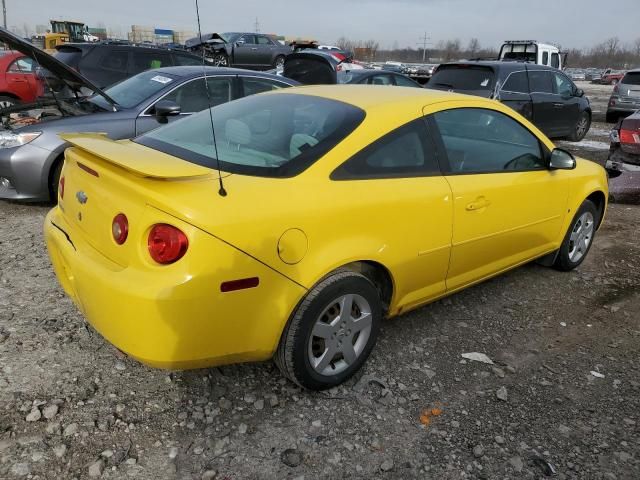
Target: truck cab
pixel 532 51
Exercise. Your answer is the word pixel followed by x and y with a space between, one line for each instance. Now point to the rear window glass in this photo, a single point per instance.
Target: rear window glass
pixel 68 56
pixel 632 78
pixel 137 89
pixel 273 135
pixel 464 77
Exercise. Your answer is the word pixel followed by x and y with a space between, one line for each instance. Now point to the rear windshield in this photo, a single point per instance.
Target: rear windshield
pixel 135 90
pixel 271 135
pixel 69 56
pixel 632 78
pixel 463 77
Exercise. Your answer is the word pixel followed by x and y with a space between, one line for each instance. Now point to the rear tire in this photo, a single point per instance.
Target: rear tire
pixel 579 238
pixel 332 331
pixel 279 62
pixel 581 127
pixel 6 102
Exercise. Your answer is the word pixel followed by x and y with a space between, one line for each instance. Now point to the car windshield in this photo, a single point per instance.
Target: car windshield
pixel 135 90
pixel 463 77
pixel 272 135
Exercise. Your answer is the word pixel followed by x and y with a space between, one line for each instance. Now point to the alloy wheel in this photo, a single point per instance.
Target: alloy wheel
pixel 581 237
pixel 6 103
pixel 582 126
pixel 340 335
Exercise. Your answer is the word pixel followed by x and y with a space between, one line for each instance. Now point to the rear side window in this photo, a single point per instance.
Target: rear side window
pixel 22 65
pixel 264 40
pixel 405 152
pixel 517 82
pixel 259 85
pixel 146 60
pixel 403 81
pixel 187 60
pixel 541 81
pixel 478 140
pixel 463 77
pixel 631 78
pixel 115 60
pixel 68 56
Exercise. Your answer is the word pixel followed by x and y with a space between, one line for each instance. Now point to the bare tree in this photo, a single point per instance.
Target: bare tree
pixel 474 47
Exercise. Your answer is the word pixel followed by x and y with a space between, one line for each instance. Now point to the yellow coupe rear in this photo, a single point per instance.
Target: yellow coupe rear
pixel 339 205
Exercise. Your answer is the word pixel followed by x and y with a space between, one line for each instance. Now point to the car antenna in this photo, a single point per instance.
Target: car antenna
pixel 222 192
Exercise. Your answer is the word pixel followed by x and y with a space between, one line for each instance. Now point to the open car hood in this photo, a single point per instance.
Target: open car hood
pixel 53 65
pixel 206 38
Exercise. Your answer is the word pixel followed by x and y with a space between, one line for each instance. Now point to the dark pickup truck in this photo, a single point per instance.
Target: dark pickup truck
pixel 236 49
pixel 543 95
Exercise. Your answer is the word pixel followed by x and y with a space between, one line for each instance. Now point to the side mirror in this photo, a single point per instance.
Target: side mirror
pixel 579 92
pixel 239 43
pixel 561 160
pixel 166 108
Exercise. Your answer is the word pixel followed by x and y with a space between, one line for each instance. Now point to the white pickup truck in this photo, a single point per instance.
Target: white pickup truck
pixel 532 51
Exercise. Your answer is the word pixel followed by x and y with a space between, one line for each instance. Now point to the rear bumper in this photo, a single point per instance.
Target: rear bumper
pixel 175 316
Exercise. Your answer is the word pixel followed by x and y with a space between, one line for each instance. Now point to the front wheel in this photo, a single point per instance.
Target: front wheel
pixel 579 238
pixel 332 332
pixel 221 60
pixel 581 127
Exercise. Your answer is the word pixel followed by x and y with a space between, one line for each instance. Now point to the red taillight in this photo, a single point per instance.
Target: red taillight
pixel 629 137
pixel 167 244
pixel 61 188
pixel 120 228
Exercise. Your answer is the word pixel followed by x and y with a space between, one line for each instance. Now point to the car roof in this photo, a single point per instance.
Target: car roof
pixel 189 71
pixel 501 65
pixel 124 44
pixel 368 97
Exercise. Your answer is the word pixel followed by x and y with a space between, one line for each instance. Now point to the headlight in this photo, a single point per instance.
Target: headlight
pixel 11 139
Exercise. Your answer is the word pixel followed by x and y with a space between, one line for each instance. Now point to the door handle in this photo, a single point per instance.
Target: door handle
pixel 478 204
pixel 558 105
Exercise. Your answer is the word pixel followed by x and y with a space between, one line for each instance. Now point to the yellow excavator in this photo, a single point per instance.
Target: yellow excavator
pixel 63 31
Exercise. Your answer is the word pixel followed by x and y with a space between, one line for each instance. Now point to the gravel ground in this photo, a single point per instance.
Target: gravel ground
pixel 562 395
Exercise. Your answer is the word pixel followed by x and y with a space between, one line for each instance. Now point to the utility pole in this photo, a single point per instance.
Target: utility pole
pixel 257 25
pixel 4 13
pixel 424 41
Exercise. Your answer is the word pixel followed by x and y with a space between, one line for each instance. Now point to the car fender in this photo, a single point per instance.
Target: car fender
pixel 590 178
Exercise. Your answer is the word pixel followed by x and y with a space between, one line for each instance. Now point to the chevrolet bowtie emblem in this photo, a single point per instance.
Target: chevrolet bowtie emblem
pixel 82 197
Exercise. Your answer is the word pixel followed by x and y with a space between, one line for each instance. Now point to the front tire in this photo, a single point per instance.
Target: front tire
pixel 221 60
pixel 579 238
pixel 581 127
pixel 6 102
pixel 332 332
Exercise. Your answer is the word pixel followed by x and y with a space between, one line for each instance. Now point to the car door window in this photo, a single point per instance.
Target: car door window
pixel 21 65
pixel 247 39
pixel 516 83
pixel 115 60
pixel 381 80
pixel 146 60
pixel 541 81
pixel 264 40
pixel 259 85
pixel 478 140
pixel 192 96
pixel 405 152
pixel 403 81
pixel 564 86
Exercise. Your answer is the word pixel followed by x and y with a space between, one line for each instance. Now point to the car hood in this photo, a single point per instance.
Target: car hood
pixel 312 67
pixel 48 62
pixel 206 38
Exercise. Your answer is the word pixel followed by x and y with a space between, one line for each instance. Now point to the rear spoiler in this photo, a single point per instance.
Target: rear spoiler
pixel 136 158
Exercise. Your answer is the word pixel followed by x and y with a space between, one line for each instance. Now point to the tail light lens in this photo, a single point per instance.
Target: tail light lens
pixel 120 228
pixel 61 188
pixel 167 244
pixel 630 132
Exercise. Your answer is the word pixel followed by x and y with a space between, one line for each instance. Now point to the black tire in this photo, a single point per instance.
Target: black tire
pixel 54 179
pixel 292 355
pixel 279 61
pixel 581 127
pixel 611 117
pixel 6 102
pixel 563 261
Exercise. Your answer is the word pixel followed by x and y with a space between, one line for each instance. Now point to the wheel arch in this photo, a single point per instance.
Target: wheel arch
pixel 599 198
pixel 9 94
pixel 57 158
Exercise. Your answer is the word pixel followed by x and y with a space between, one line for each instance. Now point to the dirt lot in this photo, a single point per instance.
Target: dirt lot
pixel 563 393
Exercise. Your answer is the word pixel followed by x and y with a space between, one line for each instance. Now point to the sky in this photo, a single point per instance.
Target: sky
pixel 570 23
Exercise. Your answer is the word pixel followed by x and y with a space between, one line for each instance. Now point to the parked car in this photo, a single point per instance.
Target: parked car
pixel 543 95
pixel 625 98
pixel 623 163
pixel 376 77
pixel 339 207
pixel 576 74
pixel 611 77
pixel 246 50
pixel 32 152
pixel 420 72
pixel 106 63
pixel 18 80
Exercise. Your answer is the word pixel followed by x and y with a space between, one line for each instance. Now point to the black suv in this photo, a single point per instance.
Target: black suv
pixel 543 95
pixel 106 63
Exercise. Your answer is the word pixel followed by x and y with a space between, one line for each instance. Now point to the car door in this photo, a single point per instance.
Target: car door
pixel 567 115
pixel 22 81
pixel 407 206
pixel 245 51
pixel 544 100
pixel 514 93
pixel 508 206
pixel 192 98
pixel 266 50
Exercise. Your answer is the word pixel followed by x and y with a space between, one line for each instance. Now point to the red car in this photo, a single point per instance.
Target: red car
pixel 18 80
pixel 611 77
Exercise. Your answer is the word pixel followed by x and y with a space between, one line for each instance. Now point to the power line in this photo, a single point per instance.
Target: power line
pixel 424 42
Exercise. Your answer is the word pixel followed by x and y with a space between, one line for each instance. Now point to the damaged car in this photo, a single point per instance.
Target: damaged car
pixel 235 49
pixel 31 150
pixel 623 164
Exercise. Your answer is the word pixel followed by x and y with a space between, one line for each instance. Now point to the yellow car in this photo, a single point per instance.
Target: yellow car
pixel 317 212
